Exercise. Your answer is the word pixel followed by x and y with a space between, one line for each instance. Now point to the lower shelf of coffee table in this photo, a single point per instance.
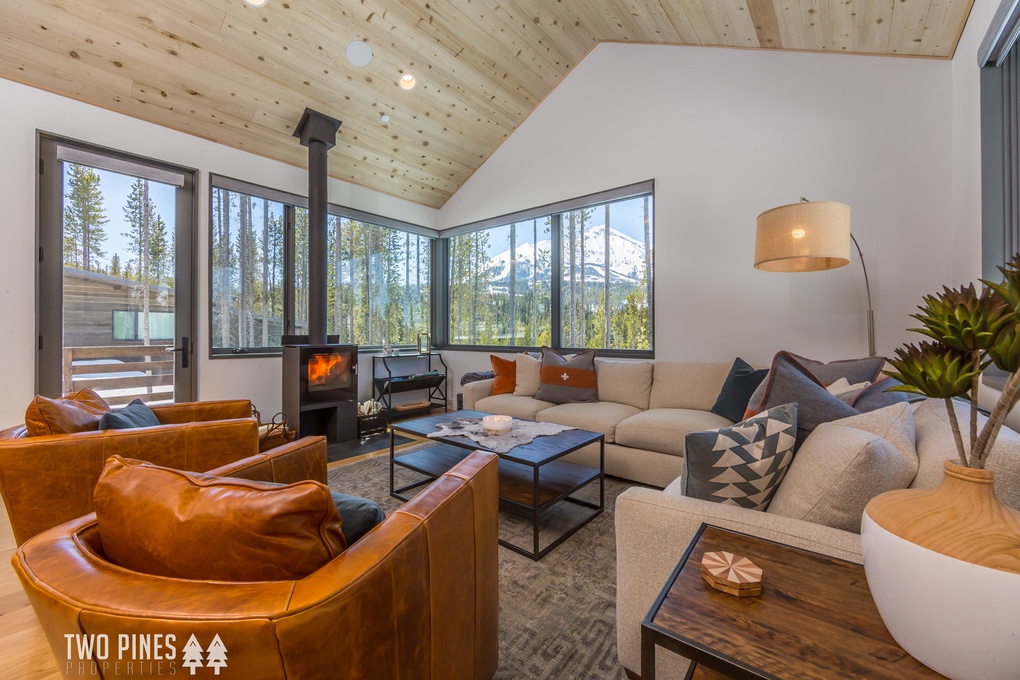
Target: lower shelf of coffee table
pixel 557 479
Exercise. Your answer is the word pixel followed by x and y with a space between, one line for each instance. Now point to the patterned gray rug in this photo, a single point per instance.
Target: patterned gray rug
pixel 557 616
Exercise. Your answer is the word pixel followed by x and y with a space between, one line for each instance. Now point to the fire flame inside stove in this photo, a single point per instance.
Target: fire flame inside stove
pixel 324 369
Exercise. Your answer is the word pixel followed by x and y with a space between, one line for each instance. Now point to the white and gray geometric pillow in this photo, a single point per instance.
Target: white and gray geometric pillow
pixel 742 464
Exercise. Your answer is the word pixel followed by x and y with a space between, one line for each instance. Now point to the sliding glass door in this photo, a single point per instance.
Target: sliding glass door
pixel 114 294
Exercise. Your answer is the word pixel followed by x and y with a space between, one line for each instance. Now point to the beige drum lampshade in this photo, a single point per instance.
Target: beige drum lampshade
pixel 803 237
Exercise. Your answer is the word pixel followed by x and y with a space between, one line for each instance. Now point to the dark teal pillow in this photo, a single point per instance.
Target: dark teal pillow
pixel 740 384
pixel 135 414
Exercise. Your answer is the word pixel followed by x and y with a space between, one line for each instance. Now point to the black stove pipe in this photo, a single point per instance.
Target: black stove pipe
pixel 317 131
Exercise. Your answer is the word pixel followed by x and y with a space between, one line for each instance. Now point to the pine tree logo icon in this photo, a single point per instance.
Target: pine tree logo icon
pixel 193 654
pixel 216 654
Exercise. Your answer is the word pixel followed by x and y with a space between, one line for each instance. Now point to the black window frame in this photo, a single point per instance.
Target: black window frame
pixel 552 211
pixel 292 202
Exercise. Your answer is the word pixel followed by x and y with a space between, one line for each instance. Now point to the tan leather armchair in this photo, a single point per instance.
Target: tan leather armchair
pixel 417 598
pixel 48 480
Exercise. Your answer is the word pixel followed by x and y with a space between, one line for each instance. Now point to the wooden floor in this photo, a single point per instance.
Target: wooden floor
pixel 24 652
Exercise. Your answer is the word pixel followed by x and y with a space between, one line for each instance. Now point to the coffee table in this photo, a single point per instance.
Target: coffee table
pixel 814 619
pixel 531 477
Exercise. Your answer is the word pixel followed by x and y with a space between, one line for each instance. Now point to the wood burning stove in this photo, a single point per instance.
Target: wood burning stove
pixel 320 390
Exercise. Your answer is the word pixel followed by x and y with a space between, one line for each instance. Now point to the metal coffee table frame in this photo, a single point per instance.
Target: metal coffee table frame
pixel 521 481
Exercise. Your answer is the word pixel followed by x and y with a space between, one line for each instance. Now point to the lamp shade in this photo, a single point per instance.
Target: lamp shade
pixel 803 237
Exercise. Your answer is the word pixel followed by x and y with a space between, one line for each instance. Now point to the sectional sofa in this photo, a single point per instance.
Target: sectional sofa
pixel 645 409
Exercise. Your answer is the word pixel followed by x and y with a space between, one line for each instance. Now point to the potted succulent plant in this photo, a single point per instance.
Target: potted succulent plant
pixel 943 564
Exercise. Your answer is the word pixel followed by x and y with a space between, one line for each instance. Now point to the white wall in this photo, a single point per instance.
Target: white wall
pixel 727 134
pixel 967 145
pixel 25 110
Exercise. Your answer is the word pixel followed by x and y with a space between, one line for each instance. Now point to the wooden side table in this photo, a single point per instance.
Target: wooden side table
pixel 814 619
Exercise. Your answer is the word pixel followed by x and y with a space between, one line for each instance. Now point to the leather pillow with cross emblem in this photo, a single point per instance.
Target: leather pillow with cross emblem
pixel 566 381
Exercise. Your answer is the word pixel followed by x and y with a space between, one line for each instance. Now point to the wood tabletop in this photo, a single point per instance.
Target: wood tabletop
pixel 814 619
pixel 538 452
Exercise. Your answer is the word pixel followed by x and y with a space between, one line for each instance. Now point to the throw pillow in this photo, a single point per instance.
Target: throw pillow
pixel 529 370
pixel 736 391
pixel 78 412
pixel 876 397
pixel 742 464
pixel 165 522
pixel 567 381
pixel 846 463
pixel 135 414
pixel 505 380
pixel 854 371
pixel 789 381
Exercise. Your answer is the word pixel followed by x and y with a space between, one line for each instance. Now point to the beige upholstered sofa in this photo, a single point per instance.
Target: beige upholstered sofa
pixel 645 409
pixel 653 528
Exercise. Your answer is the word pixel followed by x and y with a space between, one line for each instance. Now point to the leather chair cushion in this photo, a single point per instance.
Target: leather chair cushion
pixel 78 412
pixel 166 522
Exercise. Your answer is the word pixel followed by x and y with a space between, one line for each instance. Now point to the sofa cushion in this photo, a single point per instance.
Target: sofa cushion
pixel 867 369
pixel 135 414
pixel 625 382
pixel 164 522
pixel 742 464
pixel 504 375
pixel 600 416
pixel 529 370
pixel 525 408
pixel 567 380
pixel 788 381
pixel 687 384
pixel 78 412
pixel 664 429
pixel 935 446
pixel 844 464
pixel 740 384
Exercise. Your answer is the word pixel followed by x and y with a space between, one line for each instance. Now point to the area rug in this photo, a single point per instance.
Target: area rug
pixel 557 616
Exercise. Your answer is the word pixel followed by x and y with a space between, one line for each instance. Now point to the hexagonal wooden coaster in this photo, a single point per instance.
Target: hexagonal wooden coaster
pixel 733 574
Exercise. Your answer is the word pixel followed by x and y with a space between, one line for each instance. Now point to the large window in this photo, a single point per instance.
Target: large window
pixel 378 272
pixel 573 275
pixel 247 270
pixel 378 285
pixel 500 285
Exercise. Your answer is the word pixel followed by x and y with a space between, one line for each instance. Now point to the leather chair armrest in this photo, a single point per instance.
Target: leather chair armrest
pixel 200 411
pixel 295 461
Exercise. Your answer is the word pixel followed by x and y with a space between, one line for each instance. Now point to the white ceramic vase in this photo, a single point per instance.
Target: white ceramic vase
pixel 955 615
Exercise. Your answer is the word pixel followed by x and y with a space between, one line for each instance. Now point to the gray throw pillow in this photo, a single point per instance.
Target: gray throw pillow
pixel 742 464
pixel 789 381
pixel 855 371
pixel 875 397
pixel 567 381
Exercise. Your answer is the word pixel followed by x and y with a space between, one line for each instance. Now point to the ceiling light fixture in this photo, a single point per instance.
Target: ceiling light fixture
pixel 257 3
pixel 407 81
pixel 384 118
pixel 359 53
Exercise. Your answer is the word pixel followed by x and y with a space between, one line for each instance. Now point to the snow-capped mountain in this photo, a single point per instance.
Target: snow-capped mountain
pixel 626 258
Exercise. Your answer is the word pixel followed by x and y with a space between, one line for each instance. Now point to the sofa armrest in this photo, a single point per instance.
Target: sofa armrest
pixel 653 529
pixel 297 461
pixel 200 411
pixel 476 390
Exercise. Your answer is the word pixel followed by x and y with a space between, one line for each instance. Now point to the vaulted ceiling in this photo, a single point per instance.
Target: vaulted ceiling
pixel 241 76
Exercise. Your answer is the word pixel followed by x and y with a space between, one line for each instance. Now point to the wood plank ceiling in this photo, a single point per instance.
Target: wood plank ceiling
pixel 241 76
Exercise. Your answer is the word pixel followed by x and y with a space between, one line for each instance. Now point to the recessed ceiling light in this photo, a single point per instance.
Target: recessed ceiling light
pixel 407 81
pixel 384 118
pixel 257 3
pixel 359 53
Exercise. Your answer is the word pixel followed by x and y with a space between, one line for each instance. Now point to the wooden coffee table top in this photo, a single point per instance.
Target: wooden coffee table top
pixel 538 452
pixel 814 619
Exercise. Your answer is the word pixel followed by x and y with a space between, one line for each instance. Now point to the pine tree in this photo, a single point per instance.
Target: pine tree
pixel 192 655
pixel 84 219
pixel 606 295
pixel 139 213
pixel 216 655
pixel 115 266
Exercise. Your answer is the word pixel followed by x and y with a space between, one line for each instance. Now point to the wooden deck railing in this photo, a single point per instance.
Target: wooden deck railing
pixel 151 366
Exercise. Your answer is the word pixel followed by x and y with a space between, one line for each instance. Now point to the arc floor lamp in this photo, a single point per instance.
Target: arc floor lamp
pixel 806 237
